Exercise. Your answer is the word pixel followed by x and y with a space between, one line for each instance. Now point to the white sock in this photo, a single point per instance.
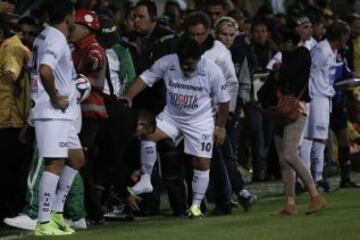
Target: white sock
pixel 148 156
pixel 48 185
pixel 317 158
pixel 200 184
pixel 305 152
pixel 65 182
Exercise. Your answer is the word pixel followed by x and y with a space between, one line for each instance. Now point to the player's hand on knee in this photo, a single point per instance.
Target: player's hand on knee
pixel 220 134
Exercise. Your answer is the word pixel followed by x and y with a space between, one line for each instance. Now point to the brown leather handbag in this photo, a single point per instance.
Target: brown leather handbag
pixel 288 106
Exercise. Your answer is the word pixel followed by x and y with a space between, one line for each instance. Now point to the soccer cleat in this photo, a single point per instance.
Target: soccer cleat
pixel 21 221
pixel 246 199
pixel 79 224
pixel 194 212
pixel 49 229
pixel 316 203
pixel 59 220
pixel 143 185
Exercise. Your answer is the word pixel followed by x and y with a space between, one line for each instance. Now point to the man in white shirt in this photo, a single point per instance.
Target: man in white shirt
pixel 191 82
pixel 322 77
pixel 54 108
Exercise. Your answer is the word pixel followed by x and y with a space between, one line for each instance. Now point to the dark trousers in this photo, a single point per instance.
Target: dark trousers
pixel 257 135
pixel 14 166
pixel 89 134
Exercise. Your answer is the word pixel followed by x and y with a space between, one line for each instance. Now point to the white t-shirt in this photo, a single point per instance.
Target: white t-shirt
pixel 114 69
pixel 323 67
pixel 51 49
pixel 188 97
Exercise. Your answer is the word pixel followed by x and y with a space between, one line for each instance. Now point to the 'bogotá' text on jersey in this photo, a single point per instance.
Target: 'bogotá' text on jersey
pixel 188 95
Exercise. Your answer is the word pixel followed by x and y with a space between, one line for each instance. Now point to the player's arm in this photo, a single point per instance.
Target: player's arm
pixel 47 79
pixel 220 132
pixel 137 86
pixel 147 79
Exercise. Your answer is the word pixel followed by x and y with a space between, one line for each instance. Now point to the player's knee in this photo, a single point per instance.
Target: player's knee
pixel 76 159
pixel 202 164
pixel 54 165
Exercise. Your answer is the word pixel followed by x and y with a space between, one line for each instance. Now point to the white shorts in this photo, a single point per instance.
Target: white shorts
pixel 54 138
pixel 317 124
pixel 198 139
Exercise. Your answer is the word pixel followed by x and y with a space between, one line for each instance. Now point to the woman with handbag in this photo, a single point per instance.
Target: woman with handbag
pixel 292 79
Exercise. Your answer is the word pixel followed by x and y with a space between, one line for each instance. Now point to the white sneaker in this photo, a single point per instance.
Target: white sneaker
pixel 21 221
pixel 144 185
pixel 79 224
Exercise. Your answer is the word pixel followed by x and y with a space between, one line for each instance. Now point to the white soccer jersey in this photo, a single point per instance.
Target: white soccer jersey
pixel 323 66
pixel 51 49
pixel 188 97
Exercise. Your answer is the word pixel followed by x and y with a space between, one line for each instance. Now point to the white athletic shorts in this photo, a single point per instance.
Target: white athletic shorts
pixel 318 120
pixel 54 138
pixel 198 138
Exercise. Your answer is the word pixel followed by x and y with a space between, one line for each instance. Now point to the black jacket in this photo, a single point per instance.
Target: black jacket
pixel 295 72
pixel 160 42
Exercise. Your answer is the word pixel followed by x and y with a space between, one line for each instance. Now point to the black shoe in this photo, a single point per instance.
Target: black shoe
pixel 348 184
pixel 246 199
pixel 324 185
pixel 222 210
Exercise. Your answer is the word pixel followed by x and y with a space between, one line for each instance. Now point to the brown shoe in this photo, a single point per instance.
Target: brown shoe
pixel 316 203
pixel 288 210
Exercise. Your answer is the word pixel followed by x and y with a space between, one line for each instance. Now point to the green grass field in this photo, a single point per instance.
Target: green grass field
pixel 339 220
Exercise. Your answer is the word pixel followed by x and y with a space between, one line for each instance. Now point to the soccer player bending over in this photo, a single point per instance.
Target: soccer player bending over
pixel 53 111
pixel 193 84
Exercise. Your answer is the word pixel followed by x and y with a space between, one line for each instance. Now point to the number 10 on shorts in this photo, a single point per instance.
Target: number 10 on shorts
pixel 206 146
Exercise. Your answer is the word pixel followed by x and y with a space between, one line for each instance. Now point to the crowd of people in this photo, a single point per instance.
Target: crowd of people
pixel 178 103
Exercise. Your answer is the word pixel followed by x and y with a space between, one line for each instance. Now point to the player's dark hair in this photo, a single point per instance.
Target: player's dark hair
pixel 150 6
pixel 188 48
pixel 336 31
pixel 58 10
pixel 148 117
pixel 196 18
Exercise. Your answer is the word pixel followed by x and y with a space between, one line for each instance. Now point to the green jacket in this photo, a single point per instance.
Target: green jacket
pixel 127 71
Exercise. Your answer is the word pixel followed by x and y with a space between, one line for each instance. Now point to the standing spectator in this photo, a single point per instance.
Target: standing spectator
pixel 14 109
pixel 89 59
pixel 216 9
pixel 29 30
pixel 258 129
pixel 225 32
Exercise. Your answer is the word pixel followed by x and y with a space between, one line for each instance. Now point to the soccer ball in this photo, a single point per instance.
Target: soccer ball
pixel 84 87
